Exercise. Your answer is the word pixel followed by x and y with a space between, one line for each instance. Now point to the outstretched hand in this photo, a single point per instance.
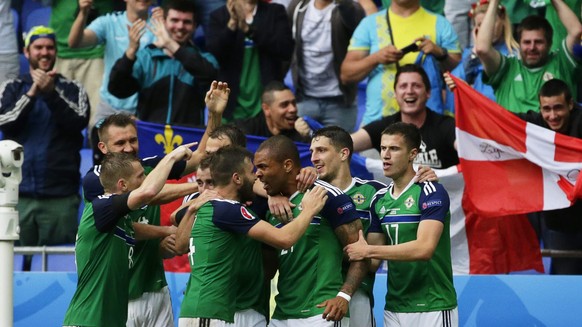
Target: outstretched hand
pixel 163 38
pixel 135 31
pixel 314 199
pixel 281 208
pixel 306 178
pixel 357 251
pixel 217 97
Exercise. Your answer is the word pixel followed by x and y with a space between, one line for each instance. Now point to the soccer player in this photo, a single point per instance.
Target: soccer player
pixel 331 153
pixel 414 218
pixel 311 284
pixel 118 133
pixel 104 247
pixel 218 248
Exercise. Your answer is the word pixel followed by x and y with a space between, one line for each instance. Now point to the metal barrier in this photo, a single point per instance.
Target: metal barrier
pixel 45 250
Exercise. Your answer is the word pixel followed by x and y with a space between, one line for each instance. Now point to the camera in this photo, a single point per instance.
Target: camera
pixel 412 47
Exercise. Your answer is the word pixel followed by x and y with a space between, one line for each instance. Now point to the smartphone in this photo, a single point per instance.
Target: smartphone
pixel 413 47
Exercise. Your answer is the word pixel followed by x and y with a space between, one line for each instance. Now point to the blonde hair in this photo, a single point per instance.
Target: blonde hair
pixel 481 8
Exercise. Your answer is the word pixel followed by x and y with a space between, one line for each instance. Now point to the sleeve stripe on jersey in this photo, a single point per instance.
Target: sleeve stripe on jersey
pixel 330 188
pixel 408 218
pixel 428 188
pixel 97 170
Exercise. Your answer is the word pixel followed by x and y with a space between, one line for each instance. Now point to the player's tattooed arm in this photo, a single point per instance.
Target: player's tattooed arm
pixel 336 308
pixel 348 234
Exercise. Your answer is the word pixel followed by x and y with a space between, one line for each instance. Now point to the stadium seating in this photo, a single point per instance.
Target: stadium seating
pixel 37 17
pixel 28 6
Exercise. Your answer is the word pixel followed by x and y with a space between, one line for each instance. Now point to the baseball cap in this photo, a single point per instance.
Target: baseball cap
pixel 38 32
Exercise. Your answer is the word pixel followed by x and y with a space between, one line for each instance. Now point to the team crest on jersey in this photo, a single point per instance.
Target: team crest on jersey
pixel 409 202
pixel 246 214
pixel 359 198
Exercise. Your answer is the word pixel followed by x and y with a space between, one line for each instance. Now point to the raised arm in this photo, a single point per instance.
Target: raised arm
pixel 216 100
pixel 79 37
pixel 362 140
pixel 570 21
pixel 122 83
pixel 155 181
pixel 490 58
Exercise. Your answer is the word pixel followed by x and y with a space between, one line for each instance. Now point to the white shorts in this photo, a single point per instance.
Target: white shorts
pixel 248 318
pixel 315 321
pixel 200 322
pixel 445 318
pixel 361 311
pixel 151 309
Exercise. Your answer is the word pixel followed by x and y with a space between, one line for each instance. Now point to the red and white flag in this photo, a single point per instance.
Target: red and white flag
pixel 512 166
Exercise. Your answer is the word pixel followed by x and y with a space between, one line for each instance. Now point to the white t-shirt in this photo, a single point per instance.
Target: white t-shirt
pixel 317 74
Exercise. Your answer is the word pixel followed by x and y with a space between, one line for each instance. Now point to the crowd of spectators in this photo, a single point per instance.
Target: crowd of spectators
pixel 95 58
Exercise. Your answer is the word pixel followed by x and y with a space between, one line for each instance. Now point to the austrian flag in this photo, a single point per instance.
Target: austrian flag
pixel 512 166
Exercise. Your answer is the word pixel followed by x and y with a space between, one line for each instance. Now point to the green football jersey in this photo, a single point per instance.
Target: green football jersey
pixel 516 86
pixel 416 286
pixel 251 277
pixel 215 259
pixel 103 261
pixel 362 191
pixel 310 271
pixel 147 273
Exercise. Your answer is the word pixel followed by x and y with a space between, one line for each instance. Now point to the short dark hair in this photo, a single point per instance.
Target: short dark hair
pixel 227 161
pixel 410 132
pixel 116 165
pixel 118 120
pixel 233 133
pixel 338 137
pixel 535 22
pixel 205 162
pixel 270 88
pixel 281 148
pixel 555 87
pixel 179 5
pixel 412 68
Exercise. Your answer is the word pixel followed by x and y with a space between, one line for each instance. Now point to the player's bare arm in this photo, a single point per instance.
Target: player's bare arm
pixel 288 235
pixel 171 192
pixel 336 308
pixel 428 235
pixel 148 232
